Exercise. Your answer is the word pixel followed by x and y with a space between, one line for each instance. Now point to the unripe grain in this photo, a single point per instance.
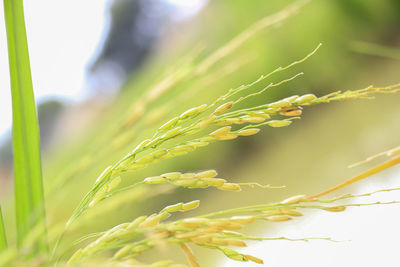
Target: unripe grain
pixel 254 259
pixel 230 187
pixel 278 218
pixel 104 174
pixel 207 174
pixel 224 107
pixel 243 219
pixel 279 104
pixel 278 123
pixel 190 205
pixel 221 131
pixel 248 132
pixel 305 99
pixel 335 209
pixel 217 182
pixel 293 199
pixel 192 112
pixel 169 124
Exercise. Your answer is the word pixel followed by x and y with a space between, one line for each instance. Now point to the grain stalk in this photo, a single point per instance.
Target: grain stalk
pixel 206 231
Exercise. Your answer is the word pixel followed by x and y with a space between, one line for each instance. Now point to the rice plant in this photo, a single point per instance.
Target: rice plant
pixel 227 117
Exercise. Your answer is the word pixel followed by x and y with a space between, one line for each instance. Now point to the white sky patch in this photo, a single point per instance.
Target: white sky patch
pixel 62 37
pixel 184 9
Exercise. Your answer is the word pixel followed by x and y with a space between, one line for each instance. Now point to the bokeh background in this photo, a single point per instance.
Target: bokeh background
pixel 92 62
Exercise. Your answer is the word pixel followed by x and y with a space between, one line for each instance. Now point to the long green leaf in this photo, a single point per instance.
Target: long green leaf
pixel 3 240
pixel 26 142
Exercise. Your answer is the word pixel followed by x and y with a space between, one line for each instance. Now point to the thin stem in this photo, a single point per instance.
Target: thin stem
pixel 189 255
pixel 359 177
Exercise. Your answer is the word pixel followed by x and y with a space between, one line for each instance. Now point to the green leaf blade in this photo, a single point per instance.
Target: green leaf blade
pixel 28 183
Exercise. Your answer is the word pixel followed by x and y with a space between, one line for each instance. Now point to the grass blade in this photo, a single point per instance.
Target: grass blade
pixel 3 240
pixel 26 141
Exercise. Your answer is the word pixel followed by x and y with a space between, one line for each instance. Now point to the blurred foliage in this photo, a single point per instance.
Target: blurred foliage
pixel 310 156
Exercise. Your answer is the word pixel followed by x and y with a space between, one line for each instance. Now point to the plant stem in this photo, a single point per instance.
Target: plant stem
pixel 3 240
pixel 374 170
pixel 28 185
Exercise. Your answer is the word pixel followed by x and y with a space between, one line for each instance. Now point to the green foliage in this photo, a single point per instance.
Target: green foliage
pixel 28 187
pixel 227 117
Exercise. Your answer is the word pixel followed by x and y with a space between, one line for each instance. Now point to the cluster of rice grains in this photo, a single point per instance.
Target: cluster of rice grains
pixel 199 127
pixel 211 231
